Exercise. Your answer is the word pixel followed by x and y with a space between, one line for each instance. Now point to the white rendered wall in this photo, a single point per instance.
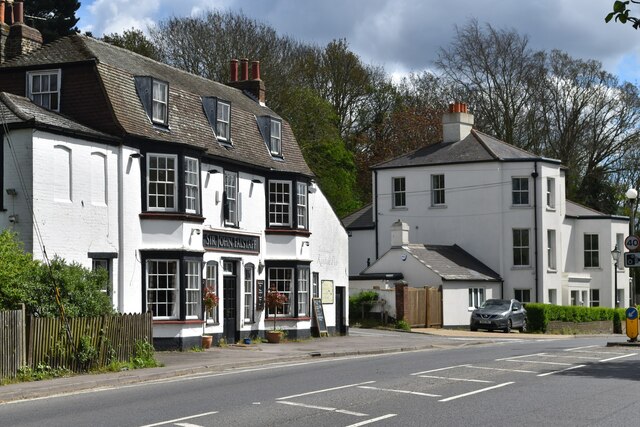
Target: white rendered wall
pixel 456 310
pixel 362 247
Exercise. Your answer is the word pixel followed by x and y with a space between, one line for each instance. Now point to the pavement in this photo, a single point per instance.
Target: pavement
pixel 219 359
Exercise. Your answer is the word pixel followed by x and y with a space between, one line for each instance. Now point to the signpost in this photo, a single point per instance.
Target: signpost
pixel 632 243
pixel 632 259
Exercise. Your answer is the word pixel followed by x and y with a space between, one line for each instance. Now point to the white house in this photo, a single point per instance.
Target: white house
pixel 172 183
pixel 505 207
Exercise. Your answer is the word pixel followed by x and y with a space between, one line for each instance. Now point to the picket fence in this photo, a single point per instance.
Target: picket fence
pixel 78 344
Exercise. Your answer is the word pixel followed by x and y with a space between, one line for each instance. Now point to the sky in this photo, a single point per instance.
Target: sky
pixel 402 36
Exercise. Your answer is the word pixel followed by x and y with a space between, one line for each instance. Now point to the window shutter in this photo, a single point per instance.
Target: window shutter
pixel 210 107
pixel 144 88
pixel 239 208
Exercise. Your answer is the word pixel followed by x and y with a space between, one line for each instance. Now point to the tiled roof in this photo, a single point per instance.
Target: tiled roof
pixel 359 220
pixel 452 263
pixel 187 122
pixel 475 147
pixel 16 110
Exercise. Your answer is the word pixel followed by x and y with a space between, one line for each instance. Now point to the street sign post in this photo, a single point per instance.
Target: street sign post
pixel 632 259
pixel 632 242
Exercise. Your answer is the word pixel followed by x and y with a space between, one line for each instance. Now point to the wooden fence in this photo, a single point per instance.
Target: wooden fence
pixel 12 342
pixel 80 344
pixel 424 307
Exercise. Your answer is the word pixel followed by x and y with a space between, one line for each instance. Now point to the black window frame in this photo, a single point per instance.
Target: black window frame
pixel 99 259
pixel 180 195
pixel 144 87
pixel 182 257
pixel 296 266
pixel 264 124
pixel 210 105
pixel 293 223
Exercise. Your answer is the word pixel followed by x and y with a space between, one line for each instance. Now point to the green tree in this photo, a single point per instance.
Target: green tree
pixel 16 272
pixel 621 13
pixel 53 18
pixel 24 280
pixel 135 41
pixel 313 120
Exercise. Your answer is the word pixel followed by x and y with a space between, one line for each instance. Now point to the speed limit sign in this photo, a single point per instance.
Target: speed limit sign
pixel 632 243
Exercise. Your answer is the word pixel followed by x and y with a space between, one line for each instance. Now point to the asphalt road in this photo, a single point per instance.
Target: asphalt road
pixel 535 382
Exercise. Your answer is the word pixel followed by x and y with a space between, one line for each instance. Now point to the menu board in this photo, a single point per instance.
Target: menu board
pixel 318 315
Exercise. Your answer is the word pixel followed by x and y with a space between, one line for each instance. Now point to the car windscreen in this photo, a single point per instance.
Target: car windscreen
pixel 498 304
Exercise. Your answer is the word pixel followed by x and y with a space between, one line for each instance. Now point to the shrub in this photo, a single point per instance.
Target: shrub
pixel 402 324
pixel 539 315
pixel 362 302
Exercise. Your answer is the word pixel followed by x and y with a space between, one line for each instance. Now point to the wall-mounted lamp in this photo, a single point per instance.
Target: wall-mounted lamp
pixel 12 192
pixel 305 243
pixel 136 155
pixel 212 171
pixel 195 231
pixel 312 187
pixel 260 267
pixel 256 181
pixel 13 219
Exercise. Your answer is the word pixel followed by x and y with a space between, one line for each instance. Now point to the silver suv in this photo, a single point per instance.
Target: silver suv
pixel 502 314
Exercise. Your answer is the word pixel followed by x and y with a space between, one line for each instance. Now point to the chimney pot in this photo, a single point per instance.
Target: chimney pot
pixel 244 69
pixel 234 70
pixel 18 12
pixel 255 70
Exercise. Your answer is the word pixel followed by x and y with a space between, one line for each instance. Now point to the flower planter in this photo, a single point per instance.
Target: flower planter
pixel 274 337
pixel 206 341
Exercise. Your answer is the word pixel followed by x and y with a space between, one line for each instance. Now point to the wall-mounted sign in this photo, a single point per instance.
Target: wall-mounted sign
pixel 229 242
pixel 327 291
pixel 259 295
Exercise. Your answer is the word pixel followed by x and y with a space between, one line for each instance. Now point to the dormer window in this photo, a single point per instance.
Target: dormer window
pixel 154 96
pixel 223 118
pixel 43 88
pixel 218 113
pixel 275 145
pixel 160 100
pixel 271 130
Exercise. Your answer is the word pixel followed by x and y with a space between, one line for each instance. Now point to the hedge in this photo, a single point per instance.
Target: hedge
pixel 539 315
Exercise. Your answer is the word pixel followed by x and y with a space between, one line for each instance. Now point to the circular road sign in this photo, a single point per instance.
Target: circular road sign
pixel 632 243
pixel 632 313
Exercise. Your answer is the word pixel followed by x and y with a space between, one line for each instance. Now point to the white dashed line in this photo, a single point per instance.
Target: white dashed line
pixel 561 370
pixel 448 399
pixel 372 420
pixel 523 371
pixel 618 357
pixel 180 419
pixel 417 393
pixel 455 379
pixel 324 390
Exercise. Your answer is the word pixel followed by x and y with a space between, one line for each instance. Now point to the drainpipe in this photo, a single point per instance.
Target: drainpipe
pixel 534 175
pixel 375 207
pixel 120 231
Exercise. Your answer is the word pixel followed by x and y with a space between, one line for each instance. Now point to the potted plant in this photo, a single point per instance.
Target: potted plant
pixel 210 300
pixel 274 300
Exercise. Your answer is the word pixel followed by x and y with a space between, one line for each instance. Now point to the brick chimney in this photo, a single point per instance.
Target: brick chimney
pixel 254 86
pixel 17 39
pixel 457 123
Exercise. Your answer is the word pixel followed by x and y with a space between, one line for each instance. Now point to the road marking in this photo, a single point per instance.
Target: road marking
pixel 561 370
pixel 324 390
pixel 439 369
pixel 524 371
pixel 455 379
pixel 417 393
pixel 580 348
pixel 323 408
pixel 180 419
pixel 540 362
pixel 448 399
pixel 575 357
pixel 372 420
pixel 187 425
pixel 519 357
pixel 617 357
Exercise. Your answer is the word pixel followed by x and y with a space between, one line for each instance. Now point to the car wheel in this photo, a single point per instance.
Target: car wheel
pixel 508 328
pixel 523 328
pixel 473 328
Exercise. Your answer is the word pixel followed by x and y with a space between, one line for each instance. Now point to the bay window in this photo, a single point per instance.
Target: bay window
pixel 294 281
pixel 282 197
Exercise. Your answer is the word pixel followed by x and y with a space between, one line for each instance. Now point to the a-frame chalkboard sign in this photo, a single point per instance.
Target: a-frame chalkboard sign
pixel 318 315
